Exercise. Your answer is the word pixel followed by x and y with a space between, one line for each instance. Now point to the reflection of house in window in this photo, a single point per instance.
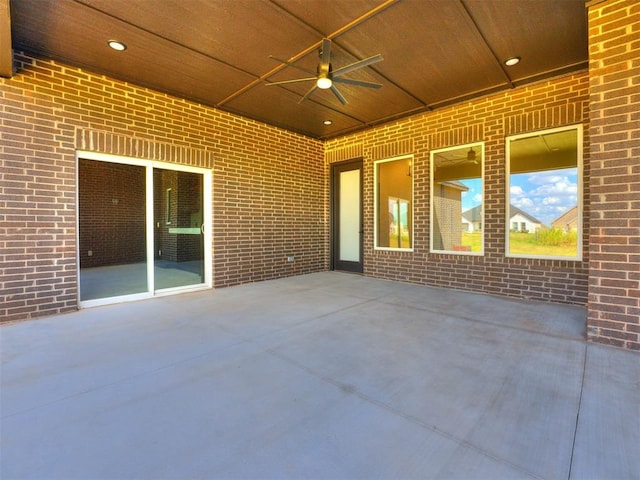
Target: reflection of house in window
pixel 447 204
pixel 521 221
pixel 568 221
pixel 456 180
pixel 472 219
pixel 544 169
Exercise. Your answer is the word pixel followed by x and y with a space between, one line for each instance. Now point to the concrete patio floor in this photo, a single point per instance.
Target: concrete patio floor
pixel 322 376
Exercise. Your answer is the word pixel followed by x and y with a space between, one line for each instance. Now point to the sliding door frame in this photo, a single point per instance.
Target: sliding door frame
pixel 149 166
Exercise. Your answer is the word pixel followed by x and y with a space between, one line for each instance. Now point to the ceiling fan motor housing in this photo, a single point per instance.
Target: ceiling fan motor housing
pixel 325 75
pixel 324 78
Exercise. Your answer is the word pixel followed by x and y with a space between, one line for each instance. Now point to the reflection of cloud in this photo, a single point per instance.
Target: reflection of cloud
pixel 477 198
pixel 545 178
pixel 522 203
pixel 546 195
pixel 550 176
pixel 563 186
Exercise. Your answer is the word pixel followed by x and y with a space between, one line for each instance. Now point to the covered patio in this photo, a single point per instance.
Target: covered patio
pixel 326 375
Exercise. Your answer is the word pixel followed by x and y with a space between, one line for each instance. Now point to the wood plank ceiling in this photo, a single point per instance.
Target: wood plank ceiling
pixel 217 52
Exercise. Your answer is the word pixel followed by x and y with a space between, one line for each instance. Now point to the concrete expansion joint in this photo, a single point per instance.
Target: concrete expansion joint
pixel 578 408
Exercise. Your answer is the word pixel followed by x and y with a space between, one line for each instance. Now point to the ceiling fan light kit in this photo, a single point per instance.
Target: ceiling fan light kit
pixel 324 83
pixel 471 155
pixel 326 77
pixel 324 80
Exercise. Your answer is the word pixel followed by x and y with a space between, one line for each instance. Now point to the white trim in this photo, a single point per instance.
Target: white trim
pixel 150 230
pixel 482 221
pixel 375 204
pixel 207 216
pixel 99 302
pixel 578 127
pixel 107 157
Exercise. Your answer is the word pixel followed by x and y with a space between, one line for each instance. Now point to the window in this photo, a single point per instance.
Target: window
pixel 544 191
pixel 394 204
pixel 457 204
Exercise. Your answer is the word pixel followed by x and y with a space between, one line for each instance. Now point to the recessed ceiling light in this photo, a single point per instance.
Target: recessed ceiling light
pixel 327 122
pixel 510 62
pixel 116 45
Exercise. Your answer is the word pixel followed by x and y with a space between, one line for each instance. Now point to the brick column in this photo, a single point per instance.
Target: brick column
pixel 614 267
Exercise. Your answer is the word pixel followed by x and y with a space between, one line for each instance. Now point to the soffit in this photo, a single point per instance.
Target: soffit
pixel 436 52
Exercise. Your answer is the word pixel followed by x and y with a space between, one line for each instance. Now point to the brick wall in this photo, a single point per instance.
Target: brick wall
pixel 268 184
pixel 614 269
pixel 553 103
pixel 271 190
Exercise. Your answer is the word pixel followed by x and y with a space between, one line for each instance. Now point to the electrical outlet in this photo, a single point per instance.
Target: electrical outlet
pixel 90 253
pixel 291 259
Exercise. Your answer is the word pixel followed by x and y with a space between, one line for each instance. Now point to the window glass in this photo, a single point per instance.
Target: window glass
pixel 543 192
pixel 457 213
pixel 394 203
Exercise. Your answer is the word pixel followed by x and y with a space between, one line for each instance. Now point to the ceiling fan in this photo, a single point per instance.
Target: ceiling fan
pixel 326 77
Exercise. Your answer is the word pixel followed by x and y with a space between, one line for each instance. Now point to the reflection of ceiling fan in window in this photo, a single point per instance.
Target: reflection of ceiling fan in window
pixel 326 77
pixel 458 157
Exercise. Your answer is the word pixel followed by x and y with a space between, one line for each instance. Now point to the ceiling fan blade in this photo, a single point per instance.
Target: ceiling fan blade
pixel 337 93
pixel 289 64
pixel 359 64
pixel 308 94
pixel 326 51
pixel 296 80
pixel 359 83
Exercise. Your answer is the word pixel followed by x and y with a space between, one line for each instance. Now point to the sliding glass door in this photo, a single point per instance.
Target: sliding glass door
pixel 179 229
pixel 141 228
pixel 112 229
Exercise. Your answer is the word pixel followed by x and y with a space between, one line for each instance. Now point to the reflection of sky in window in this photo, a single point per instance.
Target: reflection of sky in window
pixel 472 197
pixel 545 195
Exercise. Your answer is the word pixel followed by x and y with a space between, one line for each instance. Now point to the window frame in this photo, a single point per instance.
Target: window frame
pixel 376 192
pixel 481 145
pixel 578 127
